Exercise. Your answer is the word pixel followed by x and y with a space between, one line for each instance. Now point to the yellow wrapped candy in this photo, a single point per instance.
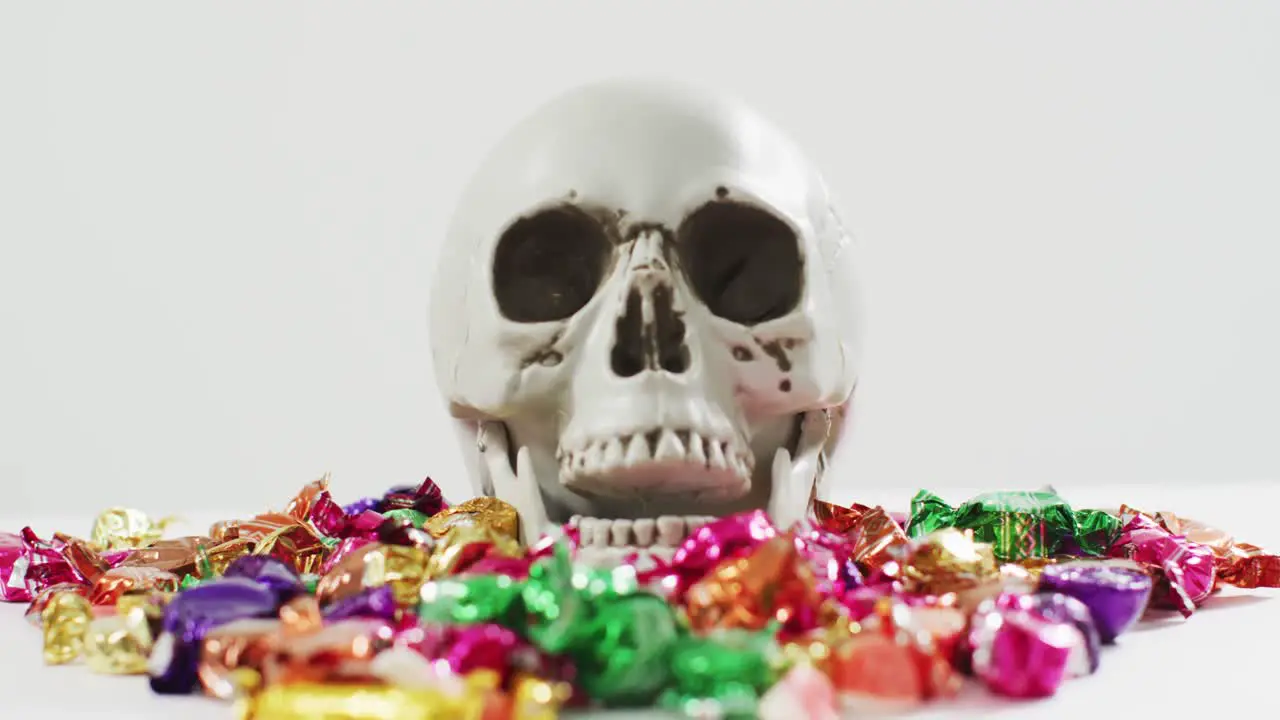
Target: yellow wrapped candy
pixel 306 701
pixel 121 528
pixel 65 621
pixel 118 644
pixel 484 512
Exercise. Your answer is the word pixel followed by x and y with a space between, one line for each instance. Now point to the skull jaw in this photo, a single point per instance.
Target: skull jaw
pixel 516 468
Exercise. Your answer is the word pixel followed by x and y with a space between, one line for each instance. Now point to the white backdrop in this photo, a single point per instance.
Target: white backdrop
pixel 217 225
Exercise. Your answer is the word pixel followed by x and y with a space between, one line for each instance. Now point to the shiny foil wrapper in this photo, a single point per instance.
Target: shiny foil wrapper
pixel 307 701
pixel 1185 573
pixel 897 658
pixel 124 529
pixel 485 512
pixel 804 693
pixel 1116 592
pixel 336 652
pixel 1017 524
pixel 1020 652
pixel 13 569
pixel 180 556
pixel 118 644
pixel 65 621
pixel 116 582
pixel 404 569
pixel 35 610
pixel 466 545
pixel 723 673
pixel 1238 564
pixel 709 546
pixel 949 561
pixel 235 646
pixel 773 583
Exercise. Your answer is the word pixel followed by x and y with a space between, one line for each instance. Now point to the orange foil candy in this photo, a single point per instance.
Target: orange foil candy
pixel 117 581
pixel 772 583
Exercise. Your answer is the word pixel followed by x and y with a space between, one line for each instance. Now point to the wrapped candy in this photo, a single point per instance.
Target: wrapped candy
pixel 235 646
pixel 115 582
pixel 467 544
pixel 361 506
pixel 269 571
pixel 1238 564
pixel 334 652
pixel 124 528
pixel 803 693
pixel 118 644
pixel 426 498
pixel 876 538
pixel 180 556
pixel 1021 651
pixel 34 611
pixel 404 569
pixel 486 512
pixel 772 583
pixel 1185 571
pixel 305 701
pixel 1116 593
pixel 897 659
pixel 13 569
pixel 472 599
pixel 44 564
pixel 951 562
pixel 709 546
pixel 721 674
pixel 376 602
pixel 190 615
pixel 1024 524
pixel 65 620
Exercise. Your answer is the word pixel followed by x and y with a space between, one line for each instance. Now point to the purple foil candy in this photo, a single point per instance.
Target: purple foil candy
pixel 361 505
pixel 1115 595
pixel 190 615
pixel 1018 652
pixel 379 602
pixel 13 569
pixel 269 571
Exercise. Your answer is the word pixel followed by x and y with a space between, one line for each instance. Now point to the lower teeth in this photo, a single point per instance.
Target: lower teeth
pixel 664 531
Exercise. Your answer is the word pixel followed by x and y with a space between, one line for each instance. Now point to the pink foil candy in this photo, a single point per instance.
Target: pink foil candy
pixel 1186 570
pixel 46 565
pixel 14 562
pixel 1019 653
pixel 365 525
pixel 708 546
pixel 345 547
pixel 327 516
pixel 804 693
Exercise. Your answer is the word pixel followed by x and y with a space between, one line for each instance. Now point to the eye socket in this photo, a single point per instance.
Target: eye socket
pixel 743 262
pixel 548 265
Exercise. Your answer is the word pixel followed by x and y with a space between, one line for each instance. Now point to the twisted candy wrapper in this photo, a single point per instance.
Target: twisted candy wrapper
pixel 1026 524
pixel 1185 571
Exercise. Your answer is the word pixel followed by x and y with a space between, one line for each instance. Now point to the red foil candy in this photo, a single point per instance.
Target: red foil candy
pixel 1185 571
pixel 708 547
pixel 115 582
pixel 14 562
pixel 45 564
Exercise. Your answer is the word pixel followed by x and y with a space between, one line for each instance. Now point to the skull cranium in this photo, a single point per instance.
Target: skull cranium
pixel 644 314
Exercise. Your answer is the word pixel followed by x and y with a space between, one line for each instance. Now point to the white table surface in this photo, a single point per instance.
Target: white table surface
pixel 1221 662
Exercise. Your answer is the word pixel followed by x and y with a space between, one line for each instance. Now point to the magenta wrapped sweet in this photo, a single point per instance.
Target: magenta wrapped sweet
pixel 13 569
pixel 1184 570
pixel 1019 652
pixel 327 516
pixel 830 556
pixel 707 547
pixel 1115 594
pixel 46 564
pixel 364 526
pixel 426 498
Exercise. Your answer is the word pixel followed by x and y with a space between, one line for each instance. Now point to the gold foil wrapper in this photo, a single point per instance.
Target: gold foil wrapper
pixel 118 644
pixel 770 584
pixel 300 506
pixel 65 620
pixel 222 555
pixel 309 701
pixel 464 544
pixel 403 568
pixel 533 698
pixel 482 512
pixel 949 561
pixel 123 528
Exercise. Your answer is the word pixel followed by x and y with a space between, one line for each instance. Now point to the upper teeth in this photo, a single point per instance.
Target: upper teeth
pixel 600 456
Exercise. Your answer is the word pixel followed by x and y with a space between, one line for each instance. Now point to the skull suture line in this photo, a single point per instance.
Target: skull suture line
pixel 644 314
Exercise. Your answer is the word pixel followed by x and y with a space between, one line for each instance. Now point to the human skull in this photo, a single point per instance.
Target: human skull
pixel 644 315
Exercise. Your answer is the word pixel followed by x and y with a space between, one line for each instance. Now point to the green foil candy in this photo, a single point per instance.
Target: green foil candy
pixel 619 637
pixel 473 599
pixel 1019 525
pixel 723 674
pixel 416 518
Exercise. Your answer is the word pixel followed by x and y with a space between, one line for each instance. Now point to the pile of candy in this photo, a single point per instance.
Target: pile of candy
pixel 403 606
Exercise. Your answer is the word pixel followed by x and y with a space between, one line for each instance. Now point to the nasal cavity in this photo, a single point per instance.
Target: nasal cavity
pixel 652 340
